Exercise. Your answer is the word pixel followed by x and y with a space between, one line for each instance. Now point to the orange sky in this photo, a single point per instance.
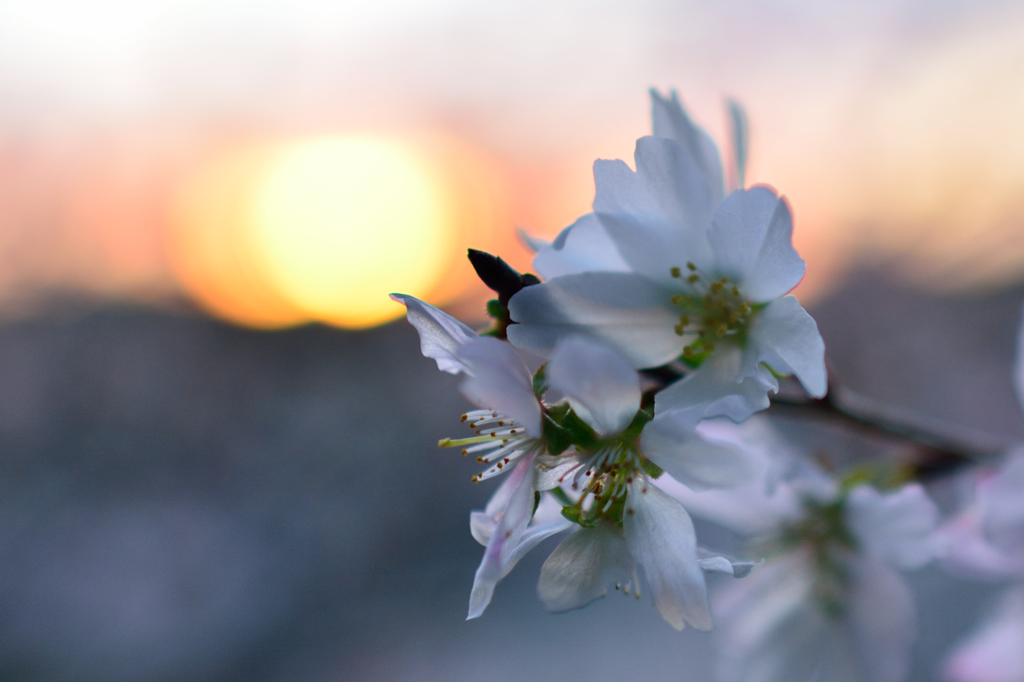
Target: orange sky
pixel 893 127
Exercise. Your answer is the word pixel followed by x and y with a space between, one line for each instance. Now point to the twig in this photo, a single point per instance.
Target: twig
pixel 938 449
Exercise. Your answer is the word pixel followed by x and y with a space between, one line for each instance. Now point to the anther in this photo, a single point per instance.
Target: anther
pixel 465 417
pixel 691 266
pixel 684 320
pixel 716 287
pixel 687 352
pixel 722 329
pixel 735 290
pixel 692 279
pixel 679 329
pixel 629 511
pixel 676 272
pixel 465 452
pixel 500 465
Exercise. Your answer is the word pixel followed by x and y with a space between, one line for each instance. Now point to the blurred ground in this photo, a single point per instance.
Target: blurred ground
pixel 185 500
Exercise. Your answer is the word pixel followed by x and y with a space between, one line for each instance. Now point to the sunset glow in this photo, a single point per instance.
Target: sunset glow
pixel 323 228
pixel 339 222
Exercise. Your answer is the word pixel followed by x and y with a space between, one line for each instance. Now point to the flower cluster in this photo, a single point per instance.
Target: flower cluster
pixel 663 308
pixel 618 389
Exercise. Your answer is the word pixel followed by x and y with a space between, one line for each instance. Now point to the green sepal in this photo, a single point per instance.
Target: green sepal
pixel 575 514
pixel 495 309
pixel 615 511
pixel 583 436
pixel 632 432
pixel 557 440
pixel 558 411
pixel 650 468
pixel 697 359
pixel 540 382
pixel 562 498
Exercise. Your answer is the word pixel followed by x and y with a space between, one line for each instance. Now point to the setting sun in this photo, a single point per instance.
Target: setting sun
pixel 341 221
pixel 324 228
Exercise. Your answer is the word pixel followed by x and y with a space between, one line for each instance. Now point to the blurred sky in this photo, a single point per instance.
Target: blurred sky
pixel 892 126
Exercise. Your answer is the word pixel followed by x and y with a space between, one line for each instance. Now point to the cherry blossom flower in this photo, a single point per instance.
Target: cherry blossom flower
pixel 666 269
pixel 625 520
pixel 830 603
pixel 507 438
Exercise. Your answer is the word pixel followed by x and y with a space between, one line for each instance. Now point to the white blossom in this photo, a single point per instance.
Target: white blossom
pixel 830 603
pixel 507 438
pixel 613 486
pixel 665 268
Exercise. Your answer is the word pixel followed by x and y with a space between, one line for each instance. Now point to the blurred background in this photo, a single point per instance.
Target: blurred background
pixel 216 464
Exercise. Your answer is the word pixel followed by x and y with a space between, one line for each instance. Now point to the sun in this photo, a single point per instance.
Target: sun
pixel 277 233
pixel 339 222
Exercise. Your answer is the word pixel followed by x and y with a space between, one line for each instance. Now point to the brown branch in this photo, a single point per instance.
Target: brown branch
pixel 939 449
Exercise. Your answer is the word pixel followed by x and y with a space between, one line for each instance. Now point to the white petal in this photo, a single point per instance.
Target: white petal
pixel 994 652
pixel 500 555
pixel 692 460
pixel 881 620
pixel 714 389
pixel 600 384
pixel 739 135
pixel 1003 500
pixel 582 568
pixel 534 244
pixel 658 217
pixel 719 564
pixel 752 236
pixel 786 337
pixel 482 524
pixel 584 246
pixel 499 380
pixel 660 536
pixel 770 628
pixel 897 527
pixel 969 552
pixel 553 470
pixel 669 119
pixel 628 311
pixel 534 535
pixel 441 335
